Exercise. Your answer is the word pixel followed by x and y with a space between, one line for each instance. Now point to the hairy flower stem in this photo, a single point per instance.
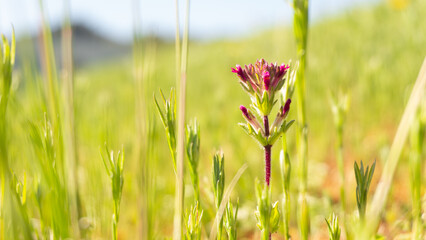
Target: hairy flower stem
pixel 267 164
pixel 267 158
pixel 267 152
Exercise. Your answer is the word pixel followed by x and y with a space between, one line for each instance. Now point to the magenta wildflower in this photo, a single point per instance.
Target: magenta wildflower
pixel 261 81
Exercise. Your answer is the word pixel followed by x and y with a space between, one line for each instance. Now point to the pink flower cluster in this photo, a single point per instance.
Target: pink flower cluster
pixel 261 77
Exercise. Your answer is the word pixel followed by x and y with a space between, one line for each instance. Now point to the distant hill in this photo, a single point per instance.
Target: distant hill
pixel 88 47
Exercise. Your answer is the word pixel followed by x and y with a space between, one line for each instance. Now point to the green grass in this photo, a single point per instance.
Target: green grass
pixel 374 53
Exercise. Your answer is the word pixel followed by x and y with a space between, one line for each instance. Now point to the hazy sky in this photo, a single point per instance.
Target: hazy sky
pixel 208 19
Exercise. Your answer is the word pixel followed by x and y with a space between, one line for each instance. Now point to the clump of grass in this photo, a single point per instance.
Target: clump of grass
pixel 114 167
pixel 7 61
pixel 25 228
pixel 54 205
pixel 193 222
pixel 231 220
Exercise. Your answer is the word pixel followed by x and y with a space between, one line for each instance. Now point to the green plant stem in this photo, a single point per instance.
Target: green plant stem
pixel 49 66
pixel 417 134
pixel 285 175
pixel 115 219
pixel 300 22
pixel 196 187
pixel 266 235
pixel 219 228
pixel 302 141
pixel 177 222
pixel 341 167
pixel 340 164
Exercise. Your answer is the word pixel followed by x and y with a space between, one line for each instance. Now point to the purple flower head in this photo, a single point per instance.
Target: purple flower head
pixel 266 79
pixel 260 78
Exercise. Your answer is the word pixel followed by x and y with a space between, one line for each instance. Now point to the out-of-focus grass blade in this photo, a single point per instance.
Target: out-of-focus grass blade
pixel 225 199
pixel 381 195
pixel 181 83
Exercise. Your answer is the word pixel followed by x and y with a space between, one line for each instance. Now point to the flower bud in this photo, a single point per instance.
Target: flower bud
pixel 239 71
pixel 266 79
pixel 251 119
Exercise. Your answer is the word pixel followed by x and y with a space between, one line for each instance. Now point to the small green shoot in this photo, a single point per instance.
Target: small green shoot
pixel 218 186
pixel 267 214
pixel 193 154
pixel 168 118
pixel 363 180
pixel 114 168
pixel 333 227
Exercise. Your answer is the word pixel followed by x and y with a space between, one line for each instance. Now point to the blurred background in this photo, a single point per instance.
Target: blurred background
pixel 370 49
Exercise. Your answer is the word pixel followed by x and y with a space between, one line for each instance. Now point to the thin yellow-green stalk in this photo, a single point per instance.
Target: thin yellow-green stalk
pixel 339 107
pixel 417 138
pixel 300 28
pixel 179 197
pixel 143 64
pixel 69 121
